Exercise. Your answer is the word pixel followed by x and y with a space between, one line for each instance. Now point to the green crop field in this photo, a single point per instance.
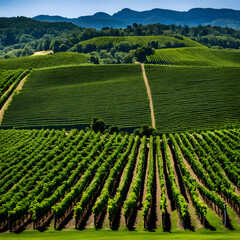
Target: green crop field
pixel 58 59
pixel 140 40
pixel 73 95
pixel 118 181
pixel 187 98
pixel 195 57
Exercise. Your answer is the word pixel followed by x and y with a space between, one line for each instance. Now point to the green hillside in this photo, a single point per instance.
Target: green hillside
pixel 186 98
pixel 58 59
pixel 195 57
pixel 73 95
pixel 141 40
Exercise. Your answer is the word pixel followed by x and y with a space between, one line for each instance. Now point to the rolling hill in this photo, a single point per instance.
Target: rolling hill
pixel 184 98
pixel 72 96
pixel 193 17
pixel 188 98
pixel 141 41
pixel 195 57
pixel 51 60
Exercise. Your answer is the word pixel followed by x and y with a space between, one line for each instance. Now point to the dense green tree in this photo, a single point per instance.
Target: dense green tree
pixel 98 125
pixel 94 59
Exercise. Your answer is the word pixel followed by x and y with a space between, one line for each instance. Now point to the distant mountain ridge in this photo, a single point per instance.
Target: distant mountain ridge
pixel 193 17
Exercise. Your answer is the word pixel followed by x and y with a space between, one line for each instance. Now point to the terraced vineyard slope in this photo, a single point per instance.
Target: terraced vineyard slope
pixel 195 57
pixel 141 41
pixel 51 60
pixel 86 179
pixel 188 98
pixel 9 81
pixel 72 96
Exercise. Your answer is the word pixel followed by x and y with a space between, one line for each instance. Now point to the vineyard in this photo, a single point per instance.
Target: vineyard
pixel 189 98
pixel 195 56
pixel 72 96
pixel 9 80
pixel 139 40
pixel 51 60
pixel 85 179
pixel 184 98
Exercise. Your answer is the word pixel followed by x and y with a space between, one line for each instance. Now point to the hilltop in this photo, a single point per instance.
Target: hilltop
pixel 193 18
pixel 195 56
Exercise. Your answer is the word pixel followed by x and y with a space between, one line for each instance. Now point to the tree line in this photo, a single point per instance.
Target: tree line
pixel 23 36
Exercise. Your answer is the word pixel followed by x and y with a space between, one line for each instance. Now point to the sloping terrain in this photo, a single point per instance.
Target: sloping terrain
pixel 141 41
pixel 72 96
pixel 195 57
pixel 98 176
pixel 187 98
pixel 51 60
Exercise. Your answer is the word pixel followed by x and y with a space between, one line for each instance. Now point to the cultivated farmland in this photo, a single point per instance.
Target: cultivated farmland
pixel 71 96
pixel 188 98
pixel 140 40
pixel 195 57
pixel 9 80
pixel 51 60
pixel 180 180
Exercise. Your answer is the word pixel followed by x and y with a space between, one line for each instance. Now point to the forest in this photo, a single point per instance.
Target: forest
pixel 21 36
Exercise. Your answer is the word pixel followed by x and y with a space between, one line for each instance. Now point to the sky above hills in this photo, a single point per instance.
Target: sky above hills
pixel 76 8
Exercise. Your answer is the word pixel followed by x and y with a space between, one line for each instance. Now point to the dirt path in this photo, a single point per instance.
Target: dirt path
pixel 149 95
pixel 3 109
pixel 10 87
pixel 42 53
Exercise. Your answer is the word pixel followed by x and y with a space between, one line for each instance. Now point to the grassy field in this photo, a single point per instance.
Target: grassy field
pixel 186 98
pixel 140 40
pixel 73 95
pixel 88 234
pixel 51 60
pixel 195 57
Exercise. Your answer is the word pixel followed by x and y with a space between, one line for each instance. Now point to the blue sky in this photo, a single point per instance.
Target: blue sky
pixel 76 8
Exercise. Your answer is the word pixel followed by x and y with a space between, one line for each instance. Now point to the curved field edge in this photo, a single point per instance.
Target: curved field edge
pixel 195 57
pixel 71 96
pixel 93 234
pixel 140 40
pixel 51 60
pixel 188 98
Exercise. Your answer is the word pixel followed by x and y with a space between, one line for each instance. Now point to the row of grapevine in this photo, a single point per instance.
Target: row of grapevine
pixel 69 200
pixel 4 98
pixel 9 161
pixel 147 204
pixel 92 190
pixel 180 201
pixel 55 190
pixel 40 187
pixel 7 79
pixel 212 167
pixel 131 203
pixel 47 174
pixel 189 182
pixel 115 204
pixel 110 185
pixel 226 157
pixel 21 165
pixel 184 145
pixel 163 197
pixel 28 181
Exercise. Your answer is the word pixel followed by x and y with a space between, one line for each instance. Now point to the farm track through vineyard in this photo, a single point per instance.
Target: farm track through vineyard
pixel 86 179
pixel 4 107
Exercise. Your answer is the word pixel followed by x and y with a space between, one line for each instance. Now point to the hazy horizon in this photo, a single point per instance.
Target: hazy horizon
pixel 77 8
